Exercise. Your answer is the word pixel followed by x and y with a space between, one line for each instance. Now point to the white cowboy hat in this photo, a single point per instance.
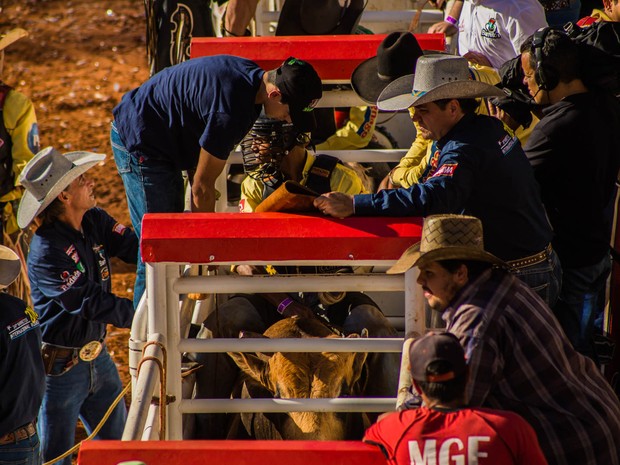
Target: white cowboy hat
pixel 12 36
pixel 47 175
pixel 437 77
pixel 10 266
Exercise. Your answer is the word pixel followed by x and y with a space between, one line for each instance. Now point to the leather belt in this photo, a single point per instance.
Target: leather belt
pixel 531 260
pixel 21 433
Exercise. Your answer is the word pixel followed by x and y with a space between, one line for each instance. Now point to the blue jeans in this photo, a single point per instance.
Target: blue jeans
pixel 151 186
pixel 85 391
pixel 25 452
pixel 582 299
pixel 544 278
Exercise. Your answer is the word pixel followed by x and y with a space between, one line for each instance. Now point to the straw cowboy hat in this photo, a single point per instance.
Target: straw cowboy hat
pixel 12 36
pixel 396 56
pixel 437 77
pixel 47 175
pixel 319 17
pixel 446 237
pixel 10 266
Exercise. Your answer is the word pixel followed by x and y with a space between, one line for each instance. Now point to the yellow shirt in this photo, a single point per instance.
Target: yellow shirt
pixel 343 179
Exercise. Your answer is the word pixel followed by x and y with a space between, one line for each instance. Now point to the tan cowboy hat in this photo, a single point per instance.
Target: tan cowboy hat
pixel 47 175
pixel 437 77
pixel 446 237
pixel 10 266
pixel 12 36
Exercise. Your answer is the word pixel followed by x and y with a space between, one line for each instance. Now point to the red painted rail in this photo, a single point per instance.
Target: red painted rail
pixel 334 57
pixel 230 453
pixel 236 237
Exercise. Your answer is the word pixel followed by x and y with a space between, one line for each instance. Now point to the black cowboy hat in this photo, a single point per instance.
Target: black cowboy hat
pixel 396 56
pixel 319 17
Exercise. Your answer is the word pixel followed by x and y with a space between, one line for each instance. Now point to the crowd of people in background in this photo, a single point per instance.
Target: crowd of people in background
pixel 513 143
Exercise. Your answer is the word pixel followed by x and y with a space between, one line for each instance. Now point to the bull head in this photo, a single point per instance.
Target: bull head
pixel 304 375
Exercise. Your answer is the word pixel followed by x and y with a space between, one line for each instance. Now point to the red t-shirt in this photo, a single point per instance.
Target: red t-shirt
pixel 469 436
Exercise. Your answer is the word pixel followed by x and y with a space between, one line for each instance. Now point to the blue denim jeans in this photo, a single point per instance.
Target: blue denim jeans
pixel 544 278
pixel 85 391
pixel 25 452
pixel 151 186
pixel 582 299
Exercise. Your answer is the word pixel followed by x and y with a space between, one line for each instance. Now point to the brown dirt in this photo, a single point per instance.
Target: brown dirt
pixel 80 57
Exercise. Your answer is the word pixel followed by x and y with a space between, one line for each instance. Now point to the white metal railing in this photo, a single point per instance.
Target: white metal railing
pixel 163 312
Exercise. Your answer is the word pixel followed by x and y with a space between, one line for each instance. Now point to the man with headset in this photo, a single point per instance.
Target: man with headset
pixel 576 191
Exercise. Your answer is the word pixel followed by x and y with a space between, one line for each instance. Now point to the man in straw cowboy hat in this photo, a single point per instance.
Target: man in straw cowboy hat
pixel 480 170
pixel 445 426
pixel 22 376
pixel 518 356
pixel 69 270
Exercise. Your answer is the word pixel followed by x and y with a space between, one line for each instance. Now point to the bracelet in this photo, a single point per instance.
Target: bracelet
pixel 284 305
pixel 451 20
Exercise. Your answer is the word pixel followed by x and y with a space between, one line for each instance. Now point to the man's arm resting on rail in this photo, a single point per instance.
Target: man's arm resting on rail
pixel 203 182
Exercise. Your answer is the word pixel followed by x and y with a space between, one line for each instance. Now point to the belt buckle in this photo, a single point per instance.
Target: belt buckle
pixel 90 351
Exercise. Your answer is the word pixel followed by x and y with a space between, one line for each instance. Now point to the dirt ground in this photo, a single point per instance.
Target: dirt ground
pixel 79 59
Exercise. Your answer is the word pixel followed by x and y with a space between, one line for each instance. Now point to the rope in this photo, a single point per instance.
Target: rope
pixel 97 428
pixel 162 383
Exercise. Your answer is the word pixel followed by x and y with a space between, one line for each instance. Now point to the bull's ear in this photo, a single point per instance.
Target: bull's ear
pixel 252 335
pixel 359 359
pixel 253 366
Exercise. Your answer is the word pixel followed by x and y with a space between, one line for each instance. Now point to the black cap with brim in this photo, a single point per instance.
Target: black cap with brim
pixel 302 119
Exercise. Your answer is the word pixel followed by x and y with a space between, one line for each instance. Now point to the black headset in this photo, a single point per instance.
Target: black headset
pixel 546 75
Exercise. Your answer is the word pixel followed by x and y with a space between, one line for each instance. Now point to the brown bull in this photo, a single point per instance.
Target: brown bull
pixel 301 375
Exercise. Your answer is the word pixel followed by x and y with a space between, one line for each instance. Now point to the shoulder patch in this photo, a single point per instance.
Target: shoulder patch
pixel 447 169
pixel 119 228
pixel 23 325
pixel 506 143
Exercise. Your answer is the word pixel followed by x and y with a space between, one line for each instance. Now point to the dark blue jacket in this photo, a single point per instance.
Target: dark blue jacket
pixel 483 172
pixel 70 278
pixel 22 376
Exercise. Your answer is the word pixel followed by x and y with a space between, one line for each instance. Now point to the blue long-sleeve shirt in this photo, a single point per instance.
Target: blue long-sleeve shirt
pixel 70 277
pixel 481 171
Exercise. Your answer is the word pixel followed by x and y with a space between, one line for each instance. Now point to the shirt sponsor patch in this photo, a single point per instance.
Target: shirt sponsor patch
pixel 73 254
pixel 446 170
pixel 69 279
pixel 119 228
pixel 23 325
pixel 491 30
pixel 507 143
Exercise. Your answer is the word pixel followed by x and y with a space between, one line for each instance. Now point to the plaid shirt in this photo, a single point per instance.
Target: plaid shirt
pixel 520 360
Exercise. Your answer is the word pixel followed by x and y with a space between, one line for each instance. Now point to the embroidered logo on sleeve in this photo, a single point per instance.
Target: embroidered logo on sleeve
pixel 446 170
pixel 119 228
pixel 507 143
pixel 491 30
pixel 23 325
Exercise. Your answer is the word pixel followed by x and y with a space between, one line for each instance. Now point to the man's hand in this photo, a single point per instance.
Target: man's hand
pixel 295 308
pixel 444 27
pixel 335 204
pixel 477 58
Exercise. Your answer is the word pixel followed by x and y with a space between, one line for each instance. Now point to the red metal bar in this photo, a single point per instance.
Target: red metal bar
pixel 334 57
pixel 237 237
pixel 230 452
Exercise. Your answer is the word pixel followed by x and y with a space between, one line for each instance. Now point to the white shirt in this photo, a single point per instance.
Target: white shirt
pixel 497 28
